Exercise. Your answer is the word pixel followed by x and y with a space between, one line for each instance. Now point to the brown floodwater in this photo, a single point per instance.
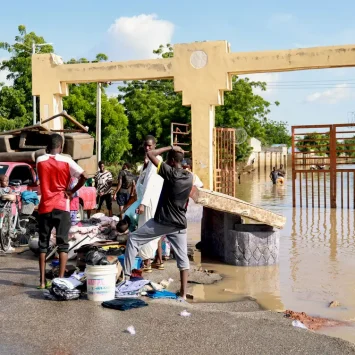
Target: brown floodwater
pixel 317 260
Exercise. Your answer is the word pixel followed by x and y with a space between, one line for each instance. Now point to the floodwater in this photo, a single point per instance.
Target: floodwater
pixel 317 260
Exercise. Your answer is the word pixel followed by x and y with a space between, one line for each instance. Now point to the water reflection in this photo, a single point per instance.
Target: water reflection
pixel 261 283
pixel 316 258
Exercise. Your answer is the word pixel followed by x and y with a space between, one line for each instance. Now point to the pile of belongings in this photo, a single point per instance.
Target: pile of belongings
pixel 65 289
pixel 98 227
pixel 110 250
pixel 97 256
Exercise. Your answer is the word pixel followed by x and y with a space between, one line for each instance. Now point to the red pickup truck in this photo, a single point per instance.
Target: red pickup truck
pixel 25 174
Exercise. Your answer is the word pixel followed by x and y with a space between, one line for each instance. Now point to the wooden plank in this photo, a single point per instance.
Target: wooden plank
pixel 69 118
pixel 232 205
pixel 24 129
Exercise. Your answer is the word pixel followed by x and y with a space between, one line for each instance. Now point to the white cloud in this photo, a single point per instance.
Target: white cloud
pixel 332 96
pixel 136 37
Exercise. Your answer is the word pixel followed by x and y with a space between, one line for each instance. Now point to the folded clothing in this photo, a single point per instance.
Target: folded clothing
pixel 62 290
pixel 124 304
pixel 70 282
pixel 128 288
pixel 162 294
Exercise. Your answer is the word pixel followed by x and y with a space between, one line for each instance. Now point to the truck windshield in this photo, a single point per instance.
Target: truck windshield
pixel 3 169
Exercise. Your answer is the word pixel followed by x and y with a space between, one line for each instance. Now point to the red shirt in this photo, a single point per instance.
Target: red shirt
pixel 54 173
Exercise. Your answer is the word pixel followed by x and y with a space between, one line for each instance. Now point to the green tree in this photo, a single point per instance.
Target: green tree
pixel 151 106
pixel 81 104
pixel 349 147
pixel 314 142
pixel 16 100
pixel 276 133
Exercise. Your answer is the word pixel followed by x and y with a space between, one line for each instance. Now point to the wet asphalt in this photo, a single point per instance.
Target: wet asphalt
pixel 29 324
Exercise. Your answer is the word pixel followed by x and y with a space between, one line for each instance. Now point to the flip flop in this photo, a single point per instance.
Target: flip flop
pixel 158 266
pixel 147 269
pixel 46 286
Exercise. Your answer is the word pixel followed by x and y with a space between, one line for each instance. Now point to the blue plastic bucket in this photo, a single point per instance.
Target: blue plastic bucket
pixel 137 263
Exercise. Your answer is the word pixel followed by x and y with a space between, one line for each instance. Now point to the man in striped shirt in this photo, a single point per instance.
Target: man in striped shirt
pixel 103 183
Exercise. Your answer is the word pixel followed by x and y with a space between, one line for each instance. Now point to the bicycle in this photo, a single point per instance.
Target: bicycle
pixel 17 228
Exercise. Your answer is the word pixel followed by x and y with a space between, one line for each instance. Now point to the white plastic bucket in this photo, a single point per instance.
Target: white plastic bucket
pixel 101 282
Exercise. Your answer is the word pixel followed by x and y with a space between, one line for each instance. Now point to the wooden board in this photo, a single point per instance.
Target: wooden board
pixel 232 205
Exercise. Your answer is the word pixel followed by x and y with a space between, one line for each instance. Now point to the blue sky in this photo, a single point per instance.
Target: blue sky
pixel 130 30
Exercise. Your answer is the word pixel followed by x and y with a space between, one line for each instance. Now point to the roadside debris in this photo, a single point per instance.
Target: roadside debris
pixel 298 324
pixel 185 313
pixel 312 323
pixel 131 330
pixel 334 304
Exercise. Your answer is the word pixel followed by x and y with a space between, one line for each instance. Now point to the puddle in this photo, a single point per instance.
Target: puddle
pixel 317 263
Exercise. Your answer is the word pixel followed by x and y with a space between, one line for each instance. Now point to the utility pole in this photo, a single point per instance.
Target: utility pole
pixel 34 97
pixel 98 122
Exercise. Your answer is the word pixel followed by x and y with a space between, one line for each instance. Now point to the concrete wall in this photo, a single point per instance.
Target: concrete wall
pixel 266 157
pixel 265 160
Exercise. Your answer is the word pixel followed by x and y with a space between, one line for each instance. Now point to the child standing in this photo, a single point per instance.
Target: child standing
pixel 4 185
pixel 5 190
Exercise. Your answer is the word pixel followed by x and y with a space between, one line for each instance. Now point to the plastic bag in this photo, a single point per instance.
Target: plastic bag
pixel 185 313
pixel 298 324
pixel 96 257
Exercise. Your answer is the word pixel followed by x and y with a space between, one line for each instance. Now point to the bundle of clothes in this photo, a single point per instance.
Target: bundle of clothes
pixel 99 227
pixel 66 289
pixel 137 286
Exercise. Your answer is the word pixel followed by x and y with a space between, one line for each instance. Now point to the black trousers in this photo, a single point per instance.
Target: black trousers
pixel 60 220
pixel 107 198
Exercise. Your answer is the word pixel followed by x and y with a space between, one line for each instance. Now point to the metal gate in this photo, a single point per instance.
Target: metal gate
pixel 181 136
pixel 224 160
pixel 323 166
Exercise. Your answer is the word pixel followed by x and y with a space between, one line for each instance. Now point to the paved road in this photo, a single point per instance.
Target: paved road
pixel 31 325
